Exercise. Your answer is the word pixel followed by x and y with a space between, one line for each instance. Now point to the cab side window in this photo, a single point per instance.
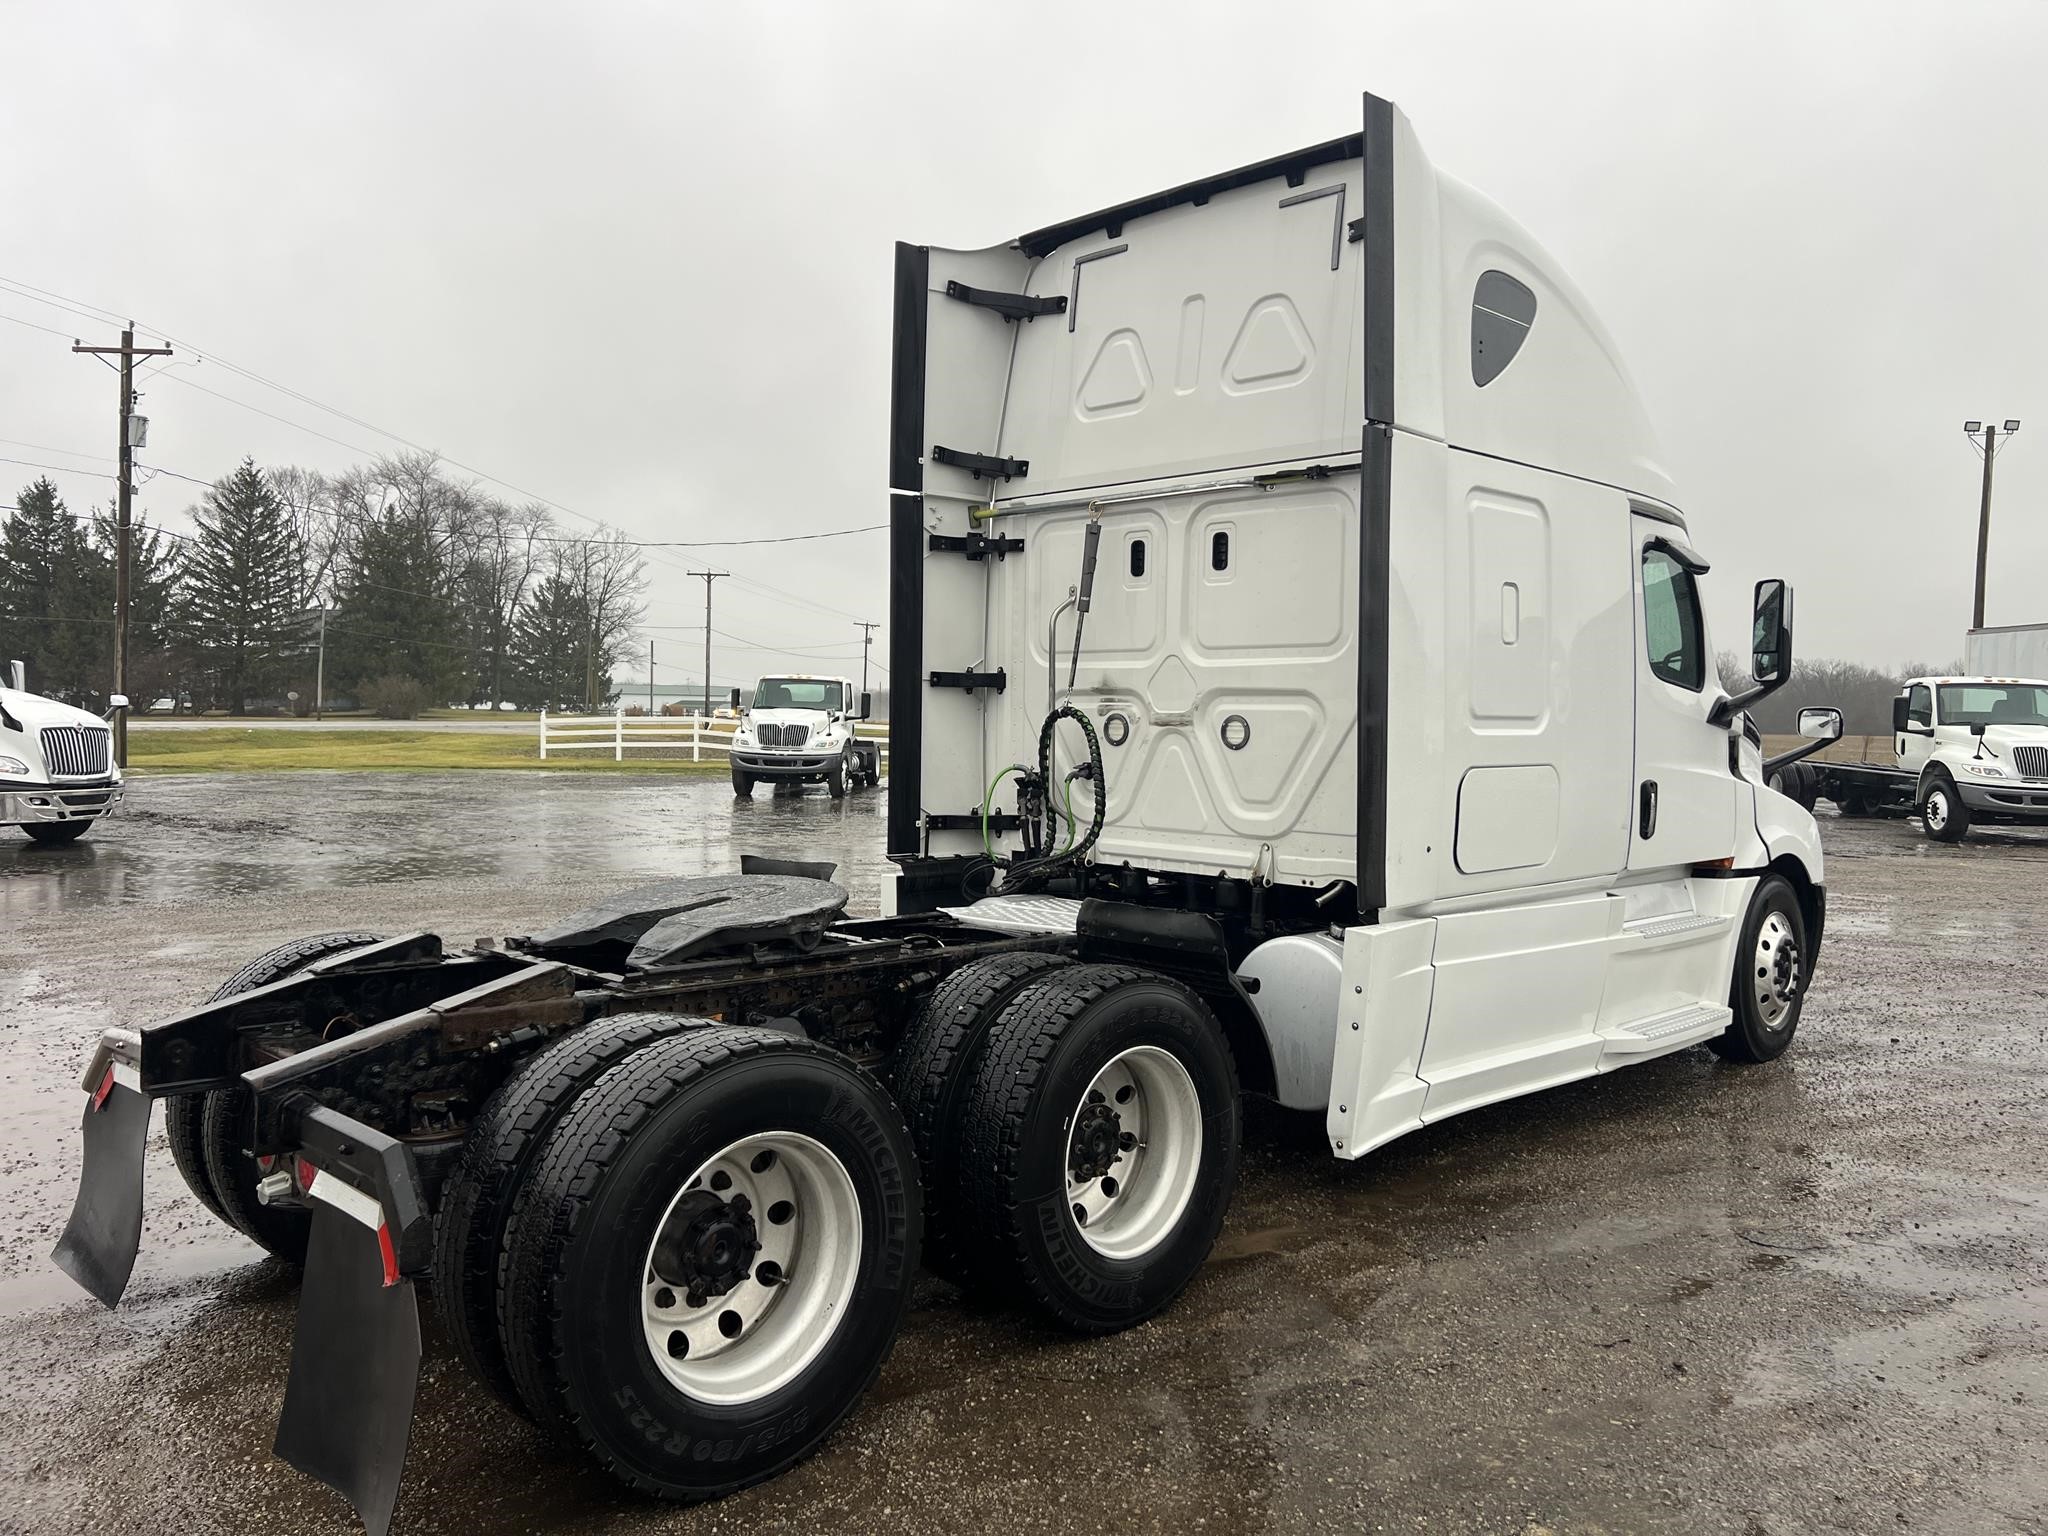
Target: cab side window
pixel 1672 630
pixel 1920 705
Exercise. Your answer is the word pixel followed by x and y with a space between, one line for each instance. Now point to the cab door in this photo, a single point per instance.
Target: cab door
pixel 1683 812
pixel 1916 743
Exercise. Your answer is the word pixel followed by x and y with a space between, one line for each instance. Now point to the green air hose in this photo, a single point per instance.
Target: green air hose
pixel 987 844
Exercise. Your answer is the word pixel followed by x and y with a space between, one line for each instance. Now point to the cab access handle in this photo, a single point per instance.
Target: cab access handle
pixel 1646 816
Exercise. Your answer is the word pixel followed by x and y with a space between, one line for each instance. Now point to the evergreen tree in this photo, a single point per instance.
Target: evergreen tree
pixel 396 610
pixel 161 656
pixel 551 648
pixel 244 580
pixel 53 612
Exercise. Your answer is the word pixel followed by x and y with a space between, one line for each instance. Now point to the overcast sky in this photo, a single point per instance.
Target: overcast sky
pixel 635 258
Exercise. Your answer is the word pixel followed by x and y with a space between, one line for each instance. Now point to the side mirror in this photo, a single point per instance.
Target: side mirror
pixel 1770 641
pixel 867 706
pixel 1899 720
pixel 1823 724
pixel 735 698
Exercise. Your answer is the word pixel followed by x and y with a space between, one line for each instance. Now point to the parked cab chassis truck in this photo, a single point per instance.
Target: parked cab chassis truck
pixel 1968 751
pixel 1311 699
pixel 801 730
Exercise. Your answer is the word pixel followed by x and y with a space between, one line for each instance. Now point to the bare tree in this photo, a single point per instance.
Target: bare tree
pixel 610 578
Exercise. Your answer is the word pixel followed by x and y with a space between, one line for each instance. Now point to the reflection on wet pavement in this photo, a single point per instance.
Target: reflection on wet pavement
pixel 1681 1298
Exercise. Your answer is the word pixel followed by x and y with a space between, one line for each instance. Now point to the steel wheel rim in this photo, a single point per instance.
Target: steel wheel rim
pixel 785 1298
pixel 1134 1149
pixel 1936 809
pixel 1776 983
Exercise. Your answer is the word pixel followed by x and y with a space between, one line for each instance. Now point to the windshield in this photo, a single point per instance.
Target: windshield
pixel 1993 704
pixel 799 693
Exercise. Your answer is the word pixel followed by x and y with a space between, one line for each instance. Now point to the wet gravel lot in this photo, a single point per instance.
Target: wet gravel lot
pixel 1686 1297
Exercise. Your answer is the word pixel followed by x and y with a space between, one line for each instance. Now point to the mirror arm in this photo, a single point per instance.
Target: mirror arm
pixel 1728 707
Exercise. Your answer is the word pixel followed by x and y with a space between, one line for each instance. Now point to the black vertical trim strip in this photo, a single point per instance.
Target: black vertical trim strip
pixel 1375 504
pixel 906 552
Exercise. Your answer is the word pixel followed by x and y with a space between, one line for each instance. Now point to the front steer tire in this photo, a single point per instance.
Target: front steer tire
pixel 1943 816
pixel 933 1073
pixel 55 834
pixel 743 784
pixel 1771 959
pixel 489 1180
pixel 1022 1131
pixel 205 1129
pixel 576 1284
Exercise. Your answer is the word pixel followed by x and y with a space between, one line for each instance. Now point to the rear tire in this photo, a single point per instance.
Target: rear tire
pixel 489 1179
pixel 1943 816
pixel 1098 1222
pixel 933 1073
pixel 1772 965
pixel 636 1199
pixel 205 1129
pixel 54 834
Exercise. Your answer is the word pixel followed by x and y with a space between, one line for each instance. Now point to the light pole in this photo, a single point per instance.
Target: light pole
pixel 1983 436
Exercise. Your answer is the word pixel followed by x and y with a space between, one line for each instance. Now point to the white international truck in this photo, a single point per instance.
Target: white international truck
pixel 57 770
pixel 803 730
pixel 1301 688
pixel 1966 751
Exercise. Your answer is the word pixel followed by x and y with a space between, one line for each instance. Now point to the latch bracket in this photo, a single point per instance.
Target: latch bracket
pixel 1011 306
pixel 971 680
pixel 976 546
pixel 991 465
pixel 949 821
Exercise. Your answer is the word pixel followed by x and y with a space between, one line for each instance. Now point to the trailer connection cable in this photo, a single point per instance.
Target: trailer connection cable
pixel 1026 875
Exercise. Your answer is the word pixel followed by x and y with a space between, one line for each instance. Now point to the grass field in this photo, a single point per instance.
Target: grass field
pixel 243 748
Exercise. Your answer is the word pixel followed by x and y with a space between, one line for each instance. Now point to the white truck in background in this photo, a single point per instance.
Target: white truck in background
pixel 57 770
pixel 1967 751
pixel 802 730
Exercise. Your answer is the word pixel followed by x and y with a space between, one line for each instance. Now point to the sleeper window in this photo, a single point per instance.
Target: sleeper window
pixel 1671 621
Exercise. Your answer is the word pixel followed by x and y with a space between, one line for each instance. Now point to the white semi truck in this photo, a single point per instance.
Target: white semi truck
pixel 57 770
pixel 1301 688
pixel 803 730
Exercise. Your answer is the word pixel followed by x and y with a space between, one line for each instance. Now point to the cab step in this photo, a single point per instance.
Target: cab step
pixel 1668 1031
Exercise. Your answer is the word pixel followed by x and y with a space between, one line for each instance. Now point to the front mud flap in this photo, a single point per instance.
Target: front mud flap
pixel 355 1368
pixel 100 1240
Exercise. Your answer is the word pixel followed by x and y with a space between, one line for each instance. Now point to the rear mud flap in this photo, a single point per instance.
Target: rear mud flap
pixel 100 1241
pixel 355 1369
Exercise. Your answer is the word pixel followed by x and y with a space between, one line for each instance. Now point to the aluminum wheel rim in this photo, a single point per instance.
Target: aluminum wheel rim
pixel 1777 970
pixel 1134 1148
pixel 786 1298
pixel 1936 810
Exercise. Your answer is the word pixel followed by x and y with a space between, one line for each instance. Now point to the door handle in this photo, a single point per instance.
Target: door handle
pixel 1646 819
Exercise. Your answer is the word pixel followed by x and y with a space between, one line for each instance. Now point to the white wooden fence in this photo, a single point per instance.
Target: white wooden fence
pixel 665 735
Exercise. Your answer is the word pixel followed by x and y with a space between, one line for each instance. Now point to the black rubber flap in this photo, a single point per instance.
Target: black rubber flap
pixel 99 1242
pixel 675 920
pixel 747 910
pixel 355 1369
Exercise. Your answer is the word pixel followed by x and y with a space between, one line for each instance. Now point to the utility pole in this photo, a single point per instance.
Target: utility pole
pixel 320 667
pixel 126 425
pixel 867 640
pixel 1983 436
pixel 709 577
pixel 650 679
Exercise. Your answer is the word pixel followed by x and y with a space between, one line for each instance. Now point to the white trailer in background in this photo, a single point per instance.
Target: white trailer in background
pixel 2007 650
pixel 1299 686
